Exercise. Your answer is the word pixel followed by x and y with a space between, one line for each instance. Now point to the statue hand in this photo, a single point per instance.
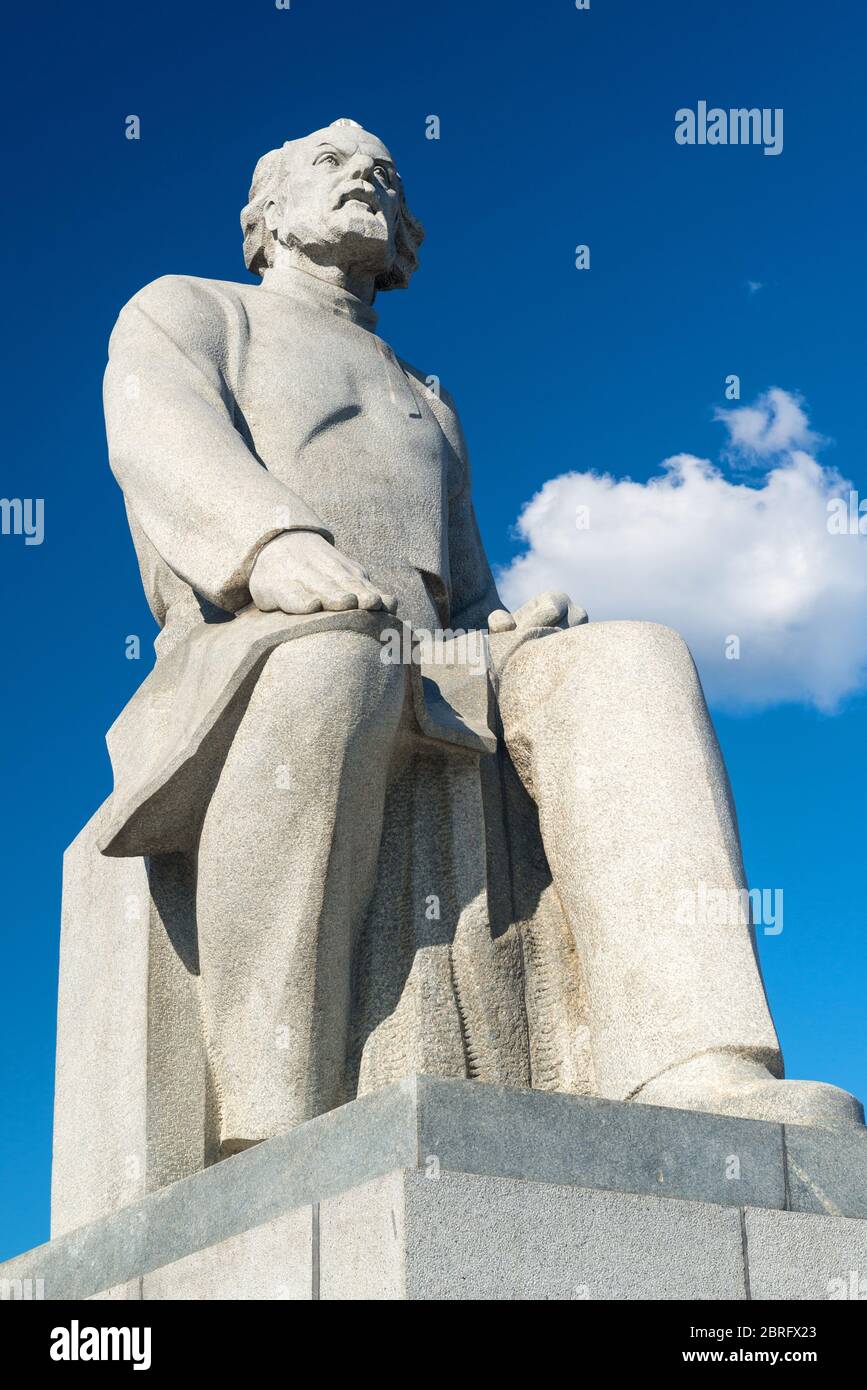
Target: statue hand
pixel 550 609
pixel 509 631
pixel 301 572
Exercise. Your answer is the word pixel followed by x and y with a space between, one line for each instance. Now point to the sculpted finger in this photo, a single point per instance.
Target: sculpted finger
pixel 336 599
pixel 264 598
pixel 544 611
pixel 295 598
pixel 369 597
pixel 501 621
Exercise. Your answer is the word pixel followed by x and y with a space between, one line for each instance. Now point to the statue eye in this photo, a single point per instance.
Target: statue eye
pixel 327 159
pixel 382 172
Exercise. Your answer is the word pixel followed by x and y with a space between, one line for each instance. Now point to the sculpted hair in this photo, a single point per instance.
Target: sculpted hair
pixel 269 182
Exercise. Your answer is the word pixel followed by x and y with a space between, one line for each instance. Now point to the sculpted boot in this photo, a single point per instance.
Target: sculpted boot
pixel 730 1085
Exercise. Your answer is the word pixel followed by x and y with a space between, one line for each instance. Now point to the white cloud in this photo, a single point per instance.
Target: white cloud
pixel 716 559
pixel 777 423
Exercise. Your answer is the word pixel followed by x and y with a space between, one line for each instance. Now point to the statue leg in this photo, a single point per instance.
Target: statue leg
pixel 608 726
pixel 286 866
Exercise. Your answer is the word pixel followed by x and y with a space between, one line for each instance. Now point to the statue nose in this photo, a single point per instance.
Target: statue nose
pixel 361 168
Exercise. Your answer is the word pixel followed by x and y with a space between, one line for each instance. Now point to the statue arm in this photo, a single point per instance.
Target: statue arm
pixel 199 493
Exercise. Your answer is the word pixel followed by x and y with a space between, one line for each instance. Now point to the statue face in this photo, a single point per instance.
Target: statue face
pixel 341 204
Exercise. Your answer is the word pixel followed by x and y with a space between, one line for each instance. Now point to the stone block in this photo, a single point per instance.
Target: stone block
pixel 467 1237
pixel 271 1262
pixel 792 1255
pixel 827 1170
pixel 600 1144
pixel 433 1189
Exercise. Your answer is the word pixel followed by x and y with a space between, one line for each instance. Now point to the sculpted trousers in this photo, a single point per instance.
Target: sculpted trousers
pixel 608 727
pixel 287 859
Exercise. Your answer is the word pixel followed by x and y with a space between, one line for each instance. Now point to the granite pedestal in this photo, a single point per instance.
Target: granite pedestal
pixel 436 1189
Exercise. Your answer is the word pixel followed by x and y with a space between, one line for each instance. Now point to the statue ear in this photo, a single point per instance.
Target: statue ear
pixel 271 215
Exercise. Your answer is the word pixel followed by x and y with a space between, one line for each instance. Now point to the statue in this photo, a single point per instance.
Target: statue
pixel 391 864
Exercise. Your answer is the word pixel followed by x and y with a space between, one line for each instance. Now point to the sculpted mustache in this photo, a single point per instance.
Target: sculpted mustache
pixel 360 195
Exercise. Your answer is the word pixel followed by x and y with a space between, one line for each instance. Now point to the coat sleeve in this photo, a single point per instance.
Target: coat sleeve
pixel 199 493
pixel 473 591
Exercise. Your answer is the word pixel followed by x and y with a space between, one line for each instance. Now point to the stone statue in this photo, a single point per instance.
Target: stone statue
pixel 363 865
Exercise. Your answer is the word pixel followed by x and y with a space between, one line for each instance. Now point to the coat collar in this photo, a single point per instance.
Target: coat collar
pixel 301 285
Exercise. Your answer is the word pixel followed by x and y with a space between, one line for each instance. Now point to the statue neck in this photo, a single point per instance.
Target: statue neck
pixel 297 282
pixel 360 283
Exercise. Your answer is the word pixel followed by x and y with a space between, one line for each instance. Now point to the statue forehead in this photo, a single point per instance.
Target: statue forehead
pixel 346 139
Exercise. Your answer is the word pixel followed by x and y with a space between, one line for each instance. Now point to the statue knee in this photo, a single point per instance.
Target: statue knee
pixel 334 676
pixel 653 645
pixel 639 672
pixel 615 645
pixel 616 669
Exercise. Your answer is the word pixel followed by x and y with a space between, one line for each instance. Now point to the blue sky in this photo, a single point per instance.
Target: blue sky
pixel 557 128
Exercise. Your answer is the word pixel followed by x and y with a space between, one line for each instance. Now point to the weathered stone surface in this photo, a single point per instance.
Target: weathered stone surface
pixel 731 1084
pixel 133 1108
pixel 269 1262
pixel 608 727
pixel 369 1137
pixel 795 1256
pixel 596 1143
pixel 356 1198
pixel 827 1172
pixel 101 1075
pixel 120 1293
pixel 362 1242
pixel 470 1237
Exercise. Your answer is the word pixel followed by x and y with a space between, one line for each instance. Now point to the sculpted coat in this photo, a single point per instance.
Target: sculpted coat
pixel 295 414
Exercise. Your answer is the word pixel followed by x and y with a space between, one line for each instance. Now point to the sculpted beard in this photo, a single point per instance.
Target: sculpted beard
pixel 353 234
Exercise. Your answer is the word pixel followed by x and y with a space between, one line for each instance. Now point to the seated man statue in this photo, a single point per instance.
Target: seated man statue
pixel 403 858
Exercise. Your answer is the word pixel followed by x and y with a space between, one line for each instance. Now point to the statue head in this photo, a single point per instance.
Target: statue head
pixel 334 197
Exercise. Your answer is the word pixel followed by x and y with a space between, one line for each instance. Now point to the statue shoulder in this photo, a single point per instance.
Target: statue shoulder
pixel 192 311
